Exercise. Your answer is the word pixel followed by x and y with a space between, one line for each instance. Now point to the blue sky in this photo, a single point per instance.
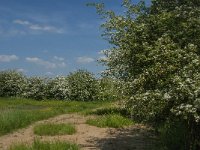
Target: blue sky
pixel 51 37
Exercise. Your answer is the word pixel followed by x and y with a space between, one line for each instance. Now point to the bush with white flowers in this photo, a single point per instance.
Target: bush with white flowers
pixel 82 86
pixel 11 83
pixel 108 89
pixel 58 88
pixel 35 88
pixel 156 50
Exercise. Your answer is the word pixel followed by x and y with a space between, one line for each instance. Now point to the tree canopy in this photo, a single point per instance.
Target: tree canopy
pixel 156 50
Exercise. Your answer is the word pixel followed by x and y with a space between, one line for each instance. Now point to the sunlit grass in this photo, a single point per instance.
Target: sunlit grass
pixel 109 111
pixel 54 129
pixel 113 121
pixel 19 113
pixel 11 120
pixel 38 145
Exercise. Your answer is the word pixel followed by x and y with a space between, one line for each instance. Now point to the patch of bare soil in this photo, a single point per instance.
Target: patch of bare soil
pixel 136 137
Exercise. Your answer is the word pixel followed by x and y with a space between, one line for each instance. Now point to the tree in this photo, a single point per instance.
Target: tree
pixel 11 83
pixel 108 89
pixel 35 88
pixel 82 86
pixel 156 50
pixel 57 88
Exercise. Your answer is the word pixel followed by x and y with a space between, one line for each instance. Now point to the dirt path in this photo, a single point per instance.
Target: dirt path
pixel 136 137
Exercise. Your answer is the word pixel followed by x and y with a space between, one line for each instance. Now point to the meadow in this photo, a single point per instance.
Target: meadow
pixel 19 113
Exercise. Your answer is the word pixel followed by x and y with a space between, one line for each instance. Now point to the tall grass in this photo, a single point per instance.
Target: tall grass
pixel 38 145
pixel 113 121
pixel 11 120
pixel 54 129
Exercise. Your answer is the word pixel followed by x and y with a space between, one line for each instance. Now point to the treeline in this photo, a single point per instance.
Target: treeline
pixel 80 85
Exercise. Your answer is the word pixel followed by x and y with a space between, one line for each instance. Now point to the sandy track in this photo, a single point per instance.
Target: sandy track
pixel 136 137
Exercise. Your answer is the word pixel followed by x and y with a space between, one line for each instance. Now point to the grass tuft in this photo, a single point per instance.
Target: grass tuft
pixel 38 145
pixel 113 121
pixel 54 129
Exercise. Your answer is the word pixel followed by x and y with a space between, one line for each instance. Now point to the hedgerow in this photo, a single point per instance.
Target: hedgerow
pixel 80 85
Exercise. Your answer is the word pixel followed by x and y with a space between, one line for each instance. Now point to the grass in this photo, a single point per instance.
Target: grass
pixel 54 129
pixel 11 120
pixel 19 113
pixel 38 145
pixel 110 110
pixel 112 120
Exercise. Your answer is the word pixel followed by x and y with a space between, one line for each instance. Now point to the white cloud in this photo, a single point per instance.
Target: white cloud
pixel 58 58
pixel 44 63
pixel 85 60
pixel 103 58
pixel 45 28
pixel 21 70
pixel 22 22
pixel 38 27
pixel 38 61
pixel 8 58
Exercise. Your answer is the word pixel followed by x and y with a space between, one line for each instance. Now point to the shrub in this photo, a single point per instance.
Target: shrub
pixel 11 83
pixel 35 88
pixel 82 86
pixel 107 89
pixel 58 88
pixel 155 48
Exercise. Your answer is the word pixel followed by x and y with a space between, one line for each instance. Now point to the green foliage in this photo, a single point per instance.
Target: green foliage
pixel 35 88
pixel 83 86
pixel 57 88
pixel 45 145
pixel 11 83
pixel 54 129
pixel 109 89
pixel 113 121
pixel 172 136
pixel 156 52
pixel 80 85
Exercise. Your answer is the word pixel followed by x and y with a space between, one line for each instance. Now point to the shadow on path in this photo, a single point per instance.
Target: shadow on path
pixel 132 138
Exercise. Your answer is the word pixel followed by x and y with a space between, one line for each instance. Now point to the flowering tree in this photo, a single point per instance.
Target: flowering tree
pixel 11 83
pixel 35 88
pixel 82 86
pixel 58 88
pixel 108 89
pixel 156 50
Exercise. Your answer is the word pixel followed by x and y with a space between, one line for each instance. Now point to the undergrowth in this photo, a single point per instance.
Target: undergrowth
pixel 54 129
